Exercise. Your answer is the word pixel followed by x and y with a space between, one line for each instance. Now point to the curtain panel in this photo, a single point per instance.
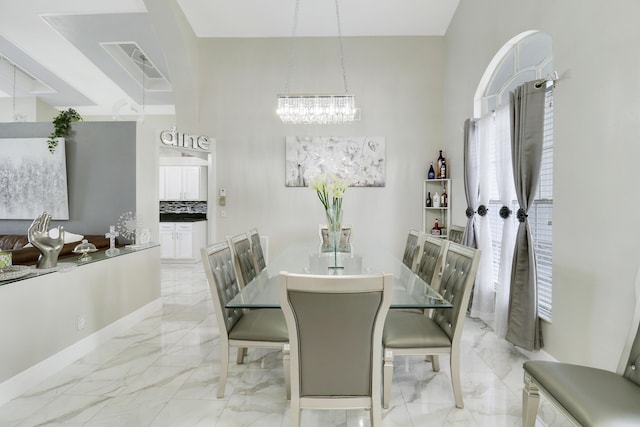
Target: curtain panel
pixel 471 182
pixel 527 121
pixel 483 305
pixel 506 195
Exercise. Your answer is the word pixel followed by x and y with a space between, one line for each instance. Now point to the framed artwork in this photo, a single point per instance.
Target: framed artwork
pixel 32 179
pixel 361 159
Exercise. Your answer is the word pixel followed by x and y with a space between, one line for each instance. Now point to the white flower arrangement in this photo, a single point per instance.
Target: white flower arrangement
pixel 330 190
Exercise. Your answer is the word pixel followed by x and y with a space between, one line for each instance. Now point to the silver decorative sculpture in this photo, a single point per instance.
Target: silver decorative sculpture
pixel 48 246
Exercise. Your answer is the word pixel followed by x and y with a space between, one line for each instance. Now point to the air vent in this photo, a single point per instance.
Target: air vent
pixel 133 59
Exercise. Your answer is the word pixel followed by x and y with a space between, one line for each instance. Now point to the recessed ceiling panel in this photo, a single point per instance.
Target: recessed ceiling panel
pixel 89 33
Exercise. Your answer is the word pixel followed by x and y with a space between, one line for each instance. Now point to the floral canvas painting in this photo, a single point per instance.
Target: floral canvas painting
pixel 360 159
pixel 32 179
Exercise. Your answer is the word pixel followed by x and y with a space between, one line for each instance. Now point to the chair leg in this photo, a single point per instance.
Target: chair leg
pixel 295 412
pixel 455 378
pixel 242 352
pixel 286 364
pixel 375 413
pixel 530 401
pixel 387 378
pixel 435 362
pixel 224 368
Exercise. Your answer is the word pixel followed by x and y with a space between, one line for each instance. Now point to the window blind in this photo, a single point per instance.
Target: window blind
pixel 541 215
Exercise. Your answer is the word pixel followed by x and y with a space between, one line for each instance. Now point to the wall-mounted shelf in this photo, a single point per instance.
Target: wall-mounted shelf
pixel 442 213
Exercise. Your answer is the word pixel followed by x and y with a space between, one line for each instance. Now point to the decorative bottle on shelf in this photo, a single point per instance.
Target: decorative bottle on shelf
pixel 443 169
pixel 435 200
pixel 444 198
pixel 440 162
pixel 428 202
pixel 436 228
pixel 431 174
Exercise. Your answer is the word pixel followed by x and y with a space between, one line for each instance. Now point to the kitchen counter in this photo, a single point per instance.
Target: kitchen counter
pixel 182 217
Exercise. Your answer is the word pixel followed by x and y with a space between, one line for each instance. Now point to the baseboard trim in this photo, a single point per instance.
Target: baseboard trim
pixel 30 377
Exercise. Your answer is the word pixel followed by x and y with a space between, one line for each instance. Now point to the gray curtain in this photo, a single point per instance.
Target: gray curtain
pixel 527 121
pixel 471 182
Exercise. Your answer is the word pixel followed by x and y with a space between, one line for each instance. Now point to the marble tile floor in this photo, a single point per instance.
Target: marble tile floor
pixel 164 371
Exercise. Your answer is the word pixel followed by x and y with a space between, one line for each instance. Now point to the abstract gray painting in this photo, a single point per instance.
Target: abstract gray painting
pixel 32 179
pixel 360 159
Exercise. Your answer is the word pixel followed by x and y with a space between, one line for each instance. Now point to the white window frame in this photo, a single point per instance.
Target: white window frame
pixel 509 68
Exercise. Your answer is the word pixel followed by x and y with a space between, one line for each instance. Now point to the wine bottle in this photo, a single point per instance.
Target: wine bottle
pixel 428 202
pixel 440 161
pixel 431 174
pixel 443 169
pixel 444 198
pixel 436 228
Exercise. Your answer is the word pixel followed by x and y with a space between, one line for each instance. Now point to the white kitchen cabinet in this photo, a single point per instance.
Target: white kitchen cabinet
pixel 181 241
pixel 167 238
pixel 191 183
pixel 184 241
pixel 183 183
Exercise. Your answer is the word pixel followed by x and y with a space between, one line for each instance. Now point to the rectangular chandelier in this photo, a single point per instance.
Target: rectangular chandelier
pixel 317 109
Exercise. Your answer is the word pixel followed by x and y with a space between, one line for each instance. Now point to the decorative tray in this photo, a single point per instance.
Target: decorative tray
pixel 14 272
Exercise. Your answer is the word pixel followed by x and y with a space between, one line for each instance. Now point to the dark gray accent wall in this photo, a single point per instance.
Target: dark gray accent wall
pixel 101 173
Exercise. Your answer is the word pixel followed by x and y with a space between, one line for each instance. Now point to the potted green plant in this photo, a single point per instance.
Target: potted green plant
pixel 62 127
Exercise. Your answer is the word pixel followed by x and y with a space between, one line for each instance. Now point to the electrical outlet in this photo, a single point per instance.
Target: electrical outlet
pixel 223 213
pixel 82 322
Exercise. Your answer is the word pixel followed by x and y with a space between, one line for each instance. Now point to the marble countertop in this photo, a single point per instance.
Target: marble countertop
pixel 182 217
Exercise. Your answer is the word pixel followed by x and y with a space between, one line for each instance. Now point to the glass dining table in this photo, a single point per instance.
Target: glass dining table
pixel 409 290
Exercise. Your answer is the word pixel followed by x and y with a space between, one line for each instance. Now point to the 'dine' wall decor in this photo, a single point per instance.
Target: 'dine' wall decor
pixel 361 159
pixel 32 179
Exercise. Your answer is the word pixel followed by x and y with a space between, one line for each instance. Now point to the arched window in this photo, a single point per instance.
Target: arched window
pixel 525 58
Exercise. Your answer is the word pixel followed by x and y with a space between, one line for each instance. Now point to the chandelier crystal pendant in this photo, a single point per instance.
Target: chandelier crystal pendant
pixel 316 108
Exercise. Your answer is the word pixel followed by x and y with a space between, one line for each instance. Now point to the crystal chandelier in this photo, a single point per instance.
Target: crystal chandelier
pixel 316 108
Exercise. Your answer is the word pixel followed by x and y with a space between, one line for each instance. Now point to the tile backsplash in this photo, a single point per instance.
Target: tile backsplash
pixel 183 207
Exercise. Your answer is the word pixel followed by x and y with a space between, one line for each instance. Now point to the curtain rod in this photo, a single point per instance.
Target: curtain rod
pixel 551 77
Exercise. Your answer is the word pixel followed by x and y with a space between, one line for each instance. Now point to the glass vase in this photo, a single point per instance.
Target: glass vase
pixel 334 228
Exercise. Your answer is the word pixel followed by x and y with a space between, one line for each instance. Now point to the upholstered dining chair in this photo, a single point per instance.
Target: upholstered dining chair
pixel 256 249
pixel 432 255
pixel 335 326
pixel 455 234
pixel 589 396
pixel 412 249
pixel 243 261
pixel 252 328
pixel 409 333
pixel 344 243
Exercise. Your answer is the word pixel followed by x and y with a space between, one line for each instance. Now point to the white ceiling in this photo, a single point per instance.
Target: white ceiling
pixel 274 18
pixel 60 42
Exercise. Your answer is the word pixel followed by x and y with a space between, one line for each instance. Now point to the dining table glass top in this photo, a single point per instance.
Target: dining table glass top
pixel 409 290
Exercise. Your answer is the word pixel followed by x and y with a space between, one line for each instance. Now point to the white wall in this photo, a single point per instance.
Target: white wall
pixel 597 109
pixel 147 162
pixel 30 108
pixel 397 83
